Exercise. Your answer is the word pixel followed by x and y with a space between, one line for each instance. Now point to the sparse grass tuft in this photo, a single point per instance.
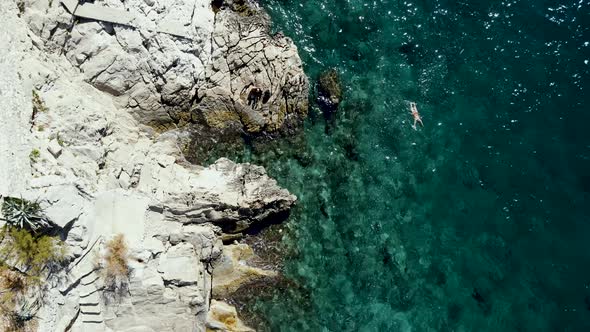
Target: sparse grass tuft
pixel 19 318
pixel 13 282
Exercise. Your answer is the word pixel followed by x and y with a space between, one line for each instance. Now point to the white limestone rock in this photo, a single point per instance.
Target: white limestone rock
pixel 180 265
pixel 16 105
pixel 120 212
pixel 113 175
pixel 231 195
pixel 261 75
pixel 173 63
pixel 54 148
pixel 64 204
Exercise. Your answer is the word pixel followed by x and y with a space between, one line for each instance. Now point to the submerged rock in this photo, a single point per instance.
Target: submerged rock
pixel 329 91
pixel 412 51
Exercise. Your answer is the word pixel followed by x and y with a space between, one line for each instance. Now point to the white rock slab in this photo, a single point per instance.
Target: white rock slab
pixel 54 148
pixel 120 212
pixel 70 5
pixel 16 106
pixel 180 265
pixel 101 13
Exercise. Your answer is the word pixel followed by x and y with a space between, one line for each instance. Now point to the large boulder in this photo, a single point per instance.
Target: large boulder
pixel 223 317
pixel 180 265
pixel 183 62
pixel 329 91
pixel 260 74
pixel 232 196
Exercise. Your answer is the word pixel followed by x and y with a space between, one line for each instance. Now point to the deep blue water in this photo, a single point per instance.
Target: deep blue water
pixel 477 222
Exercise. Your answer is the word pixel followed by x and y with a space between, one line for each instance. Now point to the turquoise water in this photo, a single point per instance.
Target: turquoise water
pixel 479 221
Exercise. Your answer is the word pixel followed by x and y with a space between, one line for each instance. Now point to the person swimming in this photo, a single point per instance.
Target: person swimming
pixel 416 115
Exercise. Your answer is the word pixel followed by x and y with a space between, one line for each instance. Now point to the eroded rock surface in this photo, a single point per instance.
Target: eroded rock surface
pixel 227 72
pixel 223 317
pixel 99 172
pixel 232 270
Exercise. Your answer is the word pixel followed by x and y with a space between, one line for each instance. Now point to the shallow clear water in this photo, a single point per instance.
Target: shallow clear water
pixel 477 222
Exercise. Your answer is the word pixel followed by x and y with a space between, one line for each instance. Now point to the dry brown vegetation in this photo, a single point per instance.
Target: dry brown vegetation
pixel 117 257
pixel 18 319
pixel 116 266
pixel 13 282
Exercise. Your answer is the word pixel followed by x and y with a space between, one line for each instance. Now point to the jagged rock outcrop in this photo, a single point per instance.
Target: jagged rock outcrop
pixel 232 270
pixel 97 171
pixel 233 196
pixel 223 317
pixel 261 76
pixel 329 91
pixel 226 71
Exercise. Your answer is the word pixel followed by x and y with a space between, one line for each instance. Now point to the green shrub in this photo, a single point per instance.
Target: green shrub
pixel 32 253
pixel 34 155
pixel 25 260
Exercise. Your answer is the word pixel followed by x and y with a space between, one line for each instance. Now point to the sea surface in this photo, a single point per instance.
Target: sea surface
pixel 478 221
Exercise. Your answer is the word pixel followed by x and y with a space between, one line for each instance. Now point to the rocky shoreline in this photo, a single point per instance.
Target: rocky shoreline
pixel 105 123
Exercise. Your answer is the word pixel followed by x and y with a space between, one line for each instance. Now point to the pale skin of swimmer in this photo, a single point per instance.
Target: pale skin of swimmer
pixel 416 115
